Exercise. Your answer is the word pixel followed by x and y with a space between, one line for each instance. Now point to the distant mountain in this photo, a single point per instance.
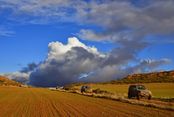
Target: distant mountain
pixel 154 77
pixel 7 82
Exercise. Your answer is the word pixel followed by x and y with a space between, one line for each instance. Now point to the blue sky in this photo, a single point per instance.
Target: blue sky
pixel 127 33
pixel 29 43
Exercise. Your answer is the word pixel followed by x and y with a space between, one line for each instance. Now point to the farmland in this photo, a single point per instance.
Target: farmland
pixel 159 90
pixel 34 102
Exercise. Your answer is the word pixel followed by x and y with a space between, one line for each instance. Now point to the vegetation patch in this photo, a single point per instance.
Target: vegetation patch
pixel 154 77
pixel 7 82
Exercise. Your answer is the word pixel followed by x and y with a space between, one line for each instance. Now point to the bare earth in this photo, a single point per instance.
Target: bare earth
pixel 35 102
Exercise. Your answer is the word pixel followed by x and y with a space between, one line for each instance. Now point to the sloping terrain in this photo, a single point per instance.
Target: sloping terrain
pixel 35 102
pixel 7 82
pixel 154 77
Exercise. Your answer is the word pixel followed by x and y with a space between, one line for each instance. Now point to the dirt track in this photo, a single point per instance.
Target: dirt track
pixel 29 102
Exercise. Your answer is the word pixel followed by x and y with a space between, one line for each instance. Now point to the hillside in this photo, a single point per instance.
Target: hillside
pixel 154 77
pixel 7 82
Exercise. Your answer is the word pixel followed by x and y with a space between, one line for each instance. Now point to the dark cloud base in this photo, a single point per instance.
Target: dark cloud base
pixel 122 22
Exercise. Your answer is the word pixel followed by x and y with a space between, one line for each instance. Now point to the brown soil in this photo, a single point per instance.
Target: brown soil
pixel 34 102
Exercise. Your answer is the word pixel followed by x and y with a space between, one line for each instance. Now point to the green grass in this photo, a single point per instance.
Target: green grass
pixel 159 90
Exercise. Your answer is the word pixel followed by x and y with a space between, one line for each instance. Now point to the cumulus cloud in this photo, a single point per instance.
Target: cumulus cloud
pixel 122 22
pixel 77 62
pixel 112 72
pixel 147 65
pixel 65 63
pixel 57 50
pixel 30 67
pixel 22 75
pixel 19 76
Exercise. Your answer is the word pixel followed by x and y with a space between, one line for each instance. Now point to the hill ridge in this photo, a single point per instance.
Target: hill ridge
pixel 4 81
pixel 152 77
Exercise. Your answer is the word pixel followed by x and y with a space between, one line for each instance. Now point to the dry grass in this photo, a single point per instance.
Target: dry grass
pixel 118 92
pixel 7 82
pixel 34 102
pixel 159 90
pixel 143 102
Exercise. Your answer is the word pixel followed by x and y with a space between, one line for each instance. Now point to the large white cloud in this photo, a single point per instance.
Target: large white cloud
pixel 58 51
pixel 19 76
pixel 77 62
pixel 119 22
pixel 66 62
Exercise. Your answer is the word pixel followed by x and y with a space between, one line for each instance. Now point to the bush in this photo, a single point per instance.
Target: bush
pixel 68 87
pixel 99 91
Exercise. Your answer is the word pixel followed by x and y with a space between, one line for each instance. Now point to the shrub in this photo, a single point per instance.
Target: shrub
pixel 99 91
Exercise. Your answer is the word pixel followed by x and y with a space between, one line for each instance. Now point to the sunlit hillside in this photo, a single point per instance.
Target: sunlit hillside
pixel 7 82
pixel 154 77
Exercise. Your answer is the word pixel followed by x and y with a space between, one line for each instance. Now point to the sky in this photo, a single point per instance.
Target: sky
pixel 57 42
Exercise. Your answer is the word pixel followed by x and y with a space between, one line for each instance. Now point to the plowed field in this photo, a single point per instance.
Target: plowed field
pixel 37 102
